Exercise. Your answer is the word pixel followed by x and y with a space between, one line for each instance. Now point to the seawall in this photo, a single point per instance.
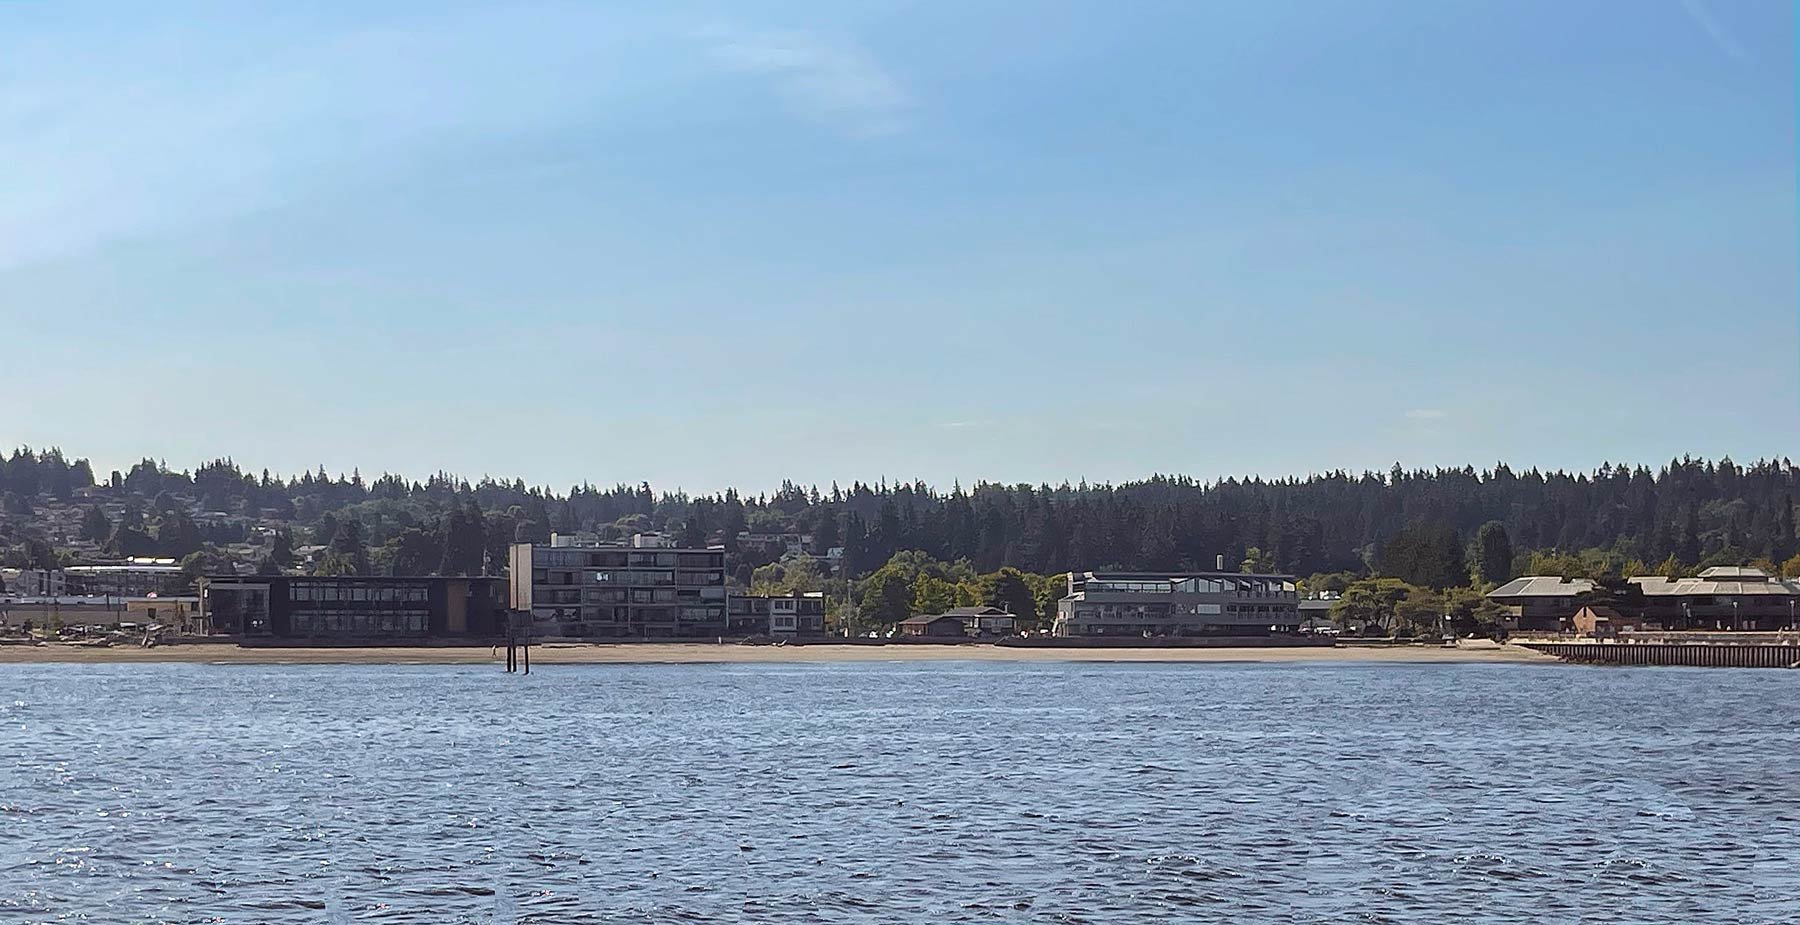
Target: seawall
pixel 1696 655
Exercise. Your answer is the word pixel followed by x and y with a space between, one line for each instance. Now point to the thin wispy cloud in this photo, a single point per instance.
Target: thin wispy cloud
pixel 834 82
pixel 1425 414
pixel 158 131
pixel 1698 12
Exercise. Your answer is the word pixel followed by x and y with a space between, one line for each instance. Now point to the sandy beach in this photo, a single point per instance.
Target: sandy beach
pixel 703 653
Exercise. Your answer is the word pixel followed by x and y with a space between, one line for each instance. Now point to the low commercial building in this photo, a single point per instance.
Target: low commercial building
pixel 1542 603
pixel 178 613
pixel 355 609
pixel 1177 604
pixel 34 582
pixel 985 621
pixel 961 621
pixel 643 590
pixel 934 625
pixel 138 576
pixel 1722 598
pixel 1315 616
pixel 780 615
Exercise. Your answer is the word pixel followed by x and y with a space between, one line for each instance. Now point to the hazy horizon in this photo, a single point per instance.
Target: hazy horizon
pixel 719 245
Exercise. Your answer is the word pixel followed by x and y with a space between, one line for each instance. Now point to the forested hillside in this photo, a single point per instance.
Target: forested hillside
pixel 1432 528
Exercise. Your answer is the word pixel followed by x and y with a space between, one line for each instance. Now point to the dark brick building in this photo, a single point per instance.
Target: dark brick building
pixel 355 608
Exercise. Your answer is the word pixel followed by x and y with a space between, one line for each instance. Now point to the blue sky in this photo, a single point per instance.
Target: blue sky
pixel 726 244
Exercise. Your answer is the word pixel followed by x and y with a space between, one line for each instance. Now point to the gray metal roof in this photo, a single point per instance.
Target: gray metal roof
pixel 1735 573
pixel 925 619
pixel 1542 586
pixel 1658 586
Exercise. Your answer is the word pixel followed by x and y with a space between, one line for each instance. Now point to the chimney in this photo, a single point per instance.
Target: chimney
pixel 1219 562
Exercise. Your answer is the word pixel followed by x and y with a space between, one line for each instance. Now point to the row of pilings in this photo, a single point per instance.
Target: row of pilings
pixel 1696 655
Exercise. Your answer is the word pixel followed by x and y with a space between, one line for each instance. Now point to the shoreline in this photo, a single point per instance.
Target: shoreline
pixel 700 653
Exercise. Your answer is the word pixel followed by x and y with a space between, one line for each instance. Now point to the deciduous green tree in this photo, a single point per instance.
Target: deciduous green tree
pixel 887 597
pixel 1371 602
pixel 1009 590
pixel 932 595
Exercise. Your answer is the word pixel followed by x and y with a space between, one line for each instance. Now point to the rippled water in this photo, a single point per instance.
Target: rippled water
pixel 953 792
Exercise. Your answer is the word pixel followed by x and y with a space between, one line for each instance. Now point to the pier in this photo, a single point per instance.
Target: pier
pixel 1691 654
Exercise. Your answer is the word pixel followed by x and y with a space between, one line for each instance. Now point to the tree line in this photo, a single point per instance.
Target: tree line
pixel 1436 528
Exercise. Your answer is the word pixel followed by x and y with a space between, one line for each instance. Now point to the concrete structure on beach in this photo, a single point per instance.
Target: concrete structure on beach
pixel 642 590
pixel 1177 604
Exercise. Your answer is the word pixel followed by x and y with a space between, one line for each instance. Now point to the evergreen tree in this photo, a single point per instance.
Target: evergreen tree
pixel 1428 555
pixel 825 537
pixel 281 550
pixel 414 551
pixel 95 528
pixel 326 530
pixel 496 535
pixel 177 536
pixel 463 543
pixel 1782 545
pixel 129 536
pixel 1688 549
pixel 347 550
pixel 1493 553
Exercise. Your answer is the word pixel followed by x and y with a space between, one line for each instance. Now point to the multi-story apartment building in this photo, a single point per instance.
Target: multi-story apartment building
pixel 620 591
pixel 1177 604
pixel 777 615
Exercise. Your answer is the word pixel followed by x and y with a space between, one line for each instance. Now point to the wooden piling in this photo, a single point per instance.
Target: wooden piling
pixel 1701 655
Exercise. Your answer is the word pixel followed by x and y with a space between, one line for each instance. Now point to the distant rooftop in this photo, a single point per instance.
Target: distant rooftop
pixel 1759 584
pixel 1735 573
pixel 1542 586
